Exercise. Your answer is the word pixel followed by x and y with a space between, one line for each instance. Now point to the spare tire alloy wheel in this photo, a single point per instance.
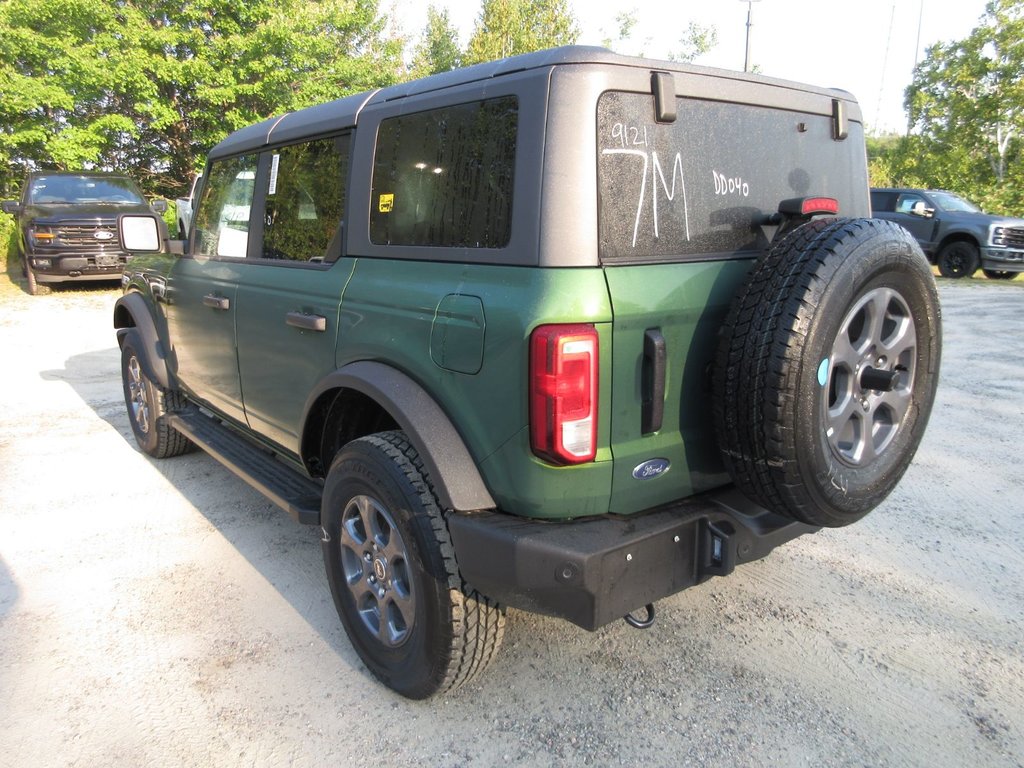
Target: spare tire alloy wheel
pixel 867 379
pixel 394 579
pixel 827 368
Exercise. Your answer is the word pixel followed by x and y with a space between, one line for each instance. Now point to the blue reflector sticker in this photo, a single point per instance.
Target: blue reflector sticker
pixel 823 372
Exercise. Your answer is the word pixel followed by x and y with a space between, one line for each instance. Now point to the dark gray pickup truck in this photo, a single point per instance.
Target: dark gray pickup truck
pixel 955 234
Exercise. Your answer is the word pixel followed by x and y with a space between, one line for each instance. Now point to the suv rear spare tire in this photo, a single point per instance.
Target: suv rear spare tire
pixel 826 369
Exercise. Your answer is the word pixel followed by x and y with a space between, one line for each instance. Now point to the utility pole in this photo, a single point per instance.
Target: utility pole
pixel 750 23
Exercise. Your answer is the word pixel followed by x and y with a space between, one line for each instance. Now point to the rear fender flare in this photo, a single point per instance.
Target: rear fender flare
pixel 449 465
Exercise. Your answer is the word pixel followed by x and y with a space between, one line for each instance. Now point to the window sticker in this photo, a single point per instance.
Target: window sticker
pixel 386 203
pixel 275 163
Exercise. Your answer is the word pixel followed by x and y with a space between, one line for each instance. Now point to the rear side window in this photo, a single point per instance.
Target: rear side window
pixel 305 200
pixel 705 183
pixel 444 177
pixel 883 202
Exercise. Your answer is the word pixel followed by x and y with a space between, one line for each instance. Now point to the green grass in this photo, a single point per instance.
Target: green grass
pixel 11 281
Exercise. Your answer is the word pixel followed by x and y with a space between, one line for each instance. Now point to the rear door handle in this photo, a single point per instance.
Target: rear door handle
pixel 306 322
pixel 216 302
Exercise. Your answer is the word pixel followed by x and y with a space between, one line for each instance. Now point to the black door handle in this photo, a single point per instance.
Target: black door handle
pixel 216 302
pixel 652 382
pixel 306 322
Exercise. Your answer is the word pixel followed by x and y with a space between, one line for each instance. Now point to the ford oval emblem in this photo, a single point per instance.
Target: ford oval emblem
pixel 103 235
pixel 651 469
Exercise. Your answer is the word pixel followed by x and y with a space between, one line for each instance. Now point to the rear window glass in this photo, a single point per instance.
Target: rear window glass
pixel 444 177
pixel 706 183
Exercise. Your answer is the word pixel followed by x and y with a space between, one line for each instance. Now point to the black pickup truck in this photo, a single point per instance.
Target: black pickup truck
pixel 954 233
pixel 67 226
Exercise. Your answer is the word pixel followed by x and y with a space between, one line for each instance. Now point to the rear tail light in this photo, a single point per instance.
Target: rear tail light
pixel 563 393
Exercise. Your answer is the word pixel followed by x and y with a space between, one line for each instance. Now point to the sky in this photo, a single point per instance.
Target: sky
pixel 866 47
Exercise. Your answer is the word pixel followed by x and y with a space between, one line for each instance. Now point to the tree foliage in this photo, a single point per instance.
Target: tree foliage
pixel 966 108
pixel 697 41
pixel 509 27
pixel 438 50
pixel 148 87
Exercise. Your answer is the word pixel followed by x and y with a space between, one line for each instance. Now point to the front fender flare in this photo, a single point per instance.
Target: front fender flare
pixel 132 313
pixel 448 462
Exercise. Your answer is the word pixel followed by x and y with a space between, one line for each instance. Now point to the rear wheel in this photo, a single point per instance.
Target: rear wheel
pixel 959 259
pixel 998 274
pixel 826 370
pixel 394 579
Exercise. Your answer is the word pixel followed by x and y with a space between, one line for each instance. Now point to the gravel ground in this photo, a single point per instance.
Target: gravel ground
pixel 164 614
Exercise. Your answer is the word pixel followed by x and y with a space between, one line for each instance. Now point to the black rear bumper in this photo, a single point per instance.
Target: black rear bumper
pixel 593 571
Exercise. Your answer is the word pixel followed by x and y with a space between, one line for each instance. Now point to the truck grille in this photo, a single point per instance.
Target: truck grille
pixel 85 235
pixel 1008 237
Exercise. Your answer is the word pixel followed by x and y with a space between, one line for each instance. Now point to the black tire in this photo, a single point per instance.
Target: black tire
pixel 391 567
pixel 998 274
pixel 35 288
pixel 801 431
pixel 958 259
pixel 148 404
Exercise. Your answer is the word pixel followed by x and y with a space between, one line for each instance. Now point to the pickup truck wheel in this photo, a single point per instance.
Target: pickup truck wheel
pixel 998 274
pixel 826 370
pixel 959 259
pixel 35 288
pixel 148 404
pixel 393 576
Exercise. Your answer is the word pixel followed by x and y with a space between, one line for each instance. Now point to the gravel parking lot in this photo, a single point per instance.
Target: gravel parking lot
pixel 164 614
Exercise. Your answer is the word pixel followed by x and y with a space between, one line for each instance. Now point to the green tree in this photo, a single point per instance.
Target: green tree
pixel 697 41
pixel 148 87
pixel 438 50
pixel 966 107
pixel 508 27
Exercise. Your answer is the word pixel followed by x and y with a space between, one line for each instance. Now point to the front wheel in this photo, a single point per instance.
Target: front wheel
pixel 35 288
pixel 959 259
pixel 148 405
pixel 393 576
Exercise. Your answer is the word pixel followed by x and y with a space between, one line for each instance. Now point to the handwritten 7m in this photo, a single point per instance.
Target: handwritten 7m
pixel 634 142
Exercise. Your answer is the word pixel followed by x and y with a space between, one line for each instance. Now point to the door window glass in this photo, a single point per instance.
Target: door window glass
pixel 907 202
pixel 306 200
pixel 444 177
pixel 222 219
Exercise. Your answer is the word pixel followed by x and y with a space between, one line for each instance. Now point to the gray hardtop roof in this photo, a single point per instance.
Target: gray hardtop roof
pixel 343 113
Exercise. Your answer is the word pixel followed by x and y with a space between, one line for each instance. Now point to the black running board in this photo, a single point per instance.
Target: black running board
pixel 296 494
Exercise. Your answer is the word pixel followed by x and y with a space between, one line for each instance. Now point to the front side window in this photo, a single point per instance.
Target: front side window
pixel 222 219
pixel 907 202
pixel 305 201
pixel 444 177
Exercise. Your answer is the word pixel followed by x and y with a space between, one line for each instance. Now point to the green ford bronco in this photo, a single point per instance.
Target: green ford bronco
pixel 567 332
